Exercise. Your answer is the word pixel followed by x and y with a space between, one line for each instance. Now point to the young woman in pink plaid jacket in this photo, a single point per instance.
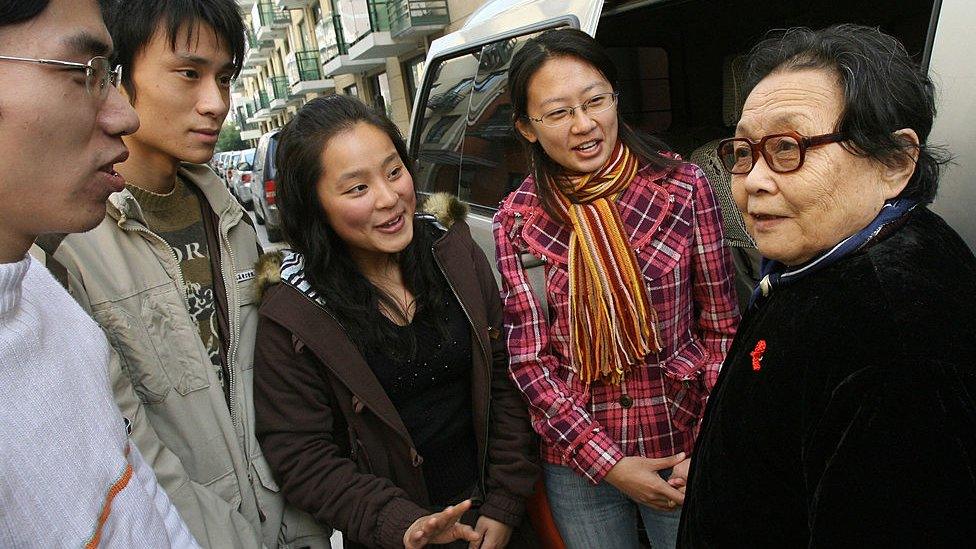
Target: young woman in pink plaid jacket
pixel 641 300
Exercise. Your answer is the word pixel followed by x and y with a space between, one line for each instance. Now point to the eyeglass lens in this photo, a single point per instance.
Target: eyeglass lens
pixel 100 76
pixel 783 154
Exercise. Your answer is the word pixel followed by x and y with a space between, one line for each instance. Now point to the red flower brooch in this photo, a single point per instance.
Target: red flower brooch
pixel 757 355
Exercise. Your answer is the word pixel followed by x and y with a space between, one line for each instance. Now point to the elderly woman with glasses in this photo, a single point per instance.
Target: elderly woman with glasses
pixel 641 303
pixel 845 414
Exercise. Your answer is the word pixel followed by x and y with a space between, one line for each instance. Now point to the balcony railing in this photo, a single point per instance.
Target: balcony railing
pixel 242 122
pixel 360 18
pixel 279 87
pixel 268 15
pixel 261 101
pixel 379 17
pixel 304 66
pixel 404 15
pixel 328 31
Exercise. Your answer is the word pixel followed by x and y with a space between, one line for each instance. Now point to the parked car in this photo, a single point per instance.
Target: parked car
pixel 263 185
pixel 240 182
pixel 216 162
pixel 681 64
pixel 230 162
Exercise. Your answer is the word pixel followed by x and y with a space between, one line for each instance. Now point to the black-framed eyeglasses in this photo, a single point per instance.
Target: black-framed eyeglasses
pixel 99 73
pixel 783 152
pixel 558 117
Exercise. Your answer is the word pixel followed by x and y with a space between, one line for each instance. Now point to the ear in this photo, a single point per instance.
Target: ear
pixel 897 175
pixel 525 128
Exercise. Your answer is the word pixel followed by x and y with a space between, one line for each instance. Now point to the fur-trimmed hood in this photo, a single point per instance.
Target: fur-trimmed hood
pixel 446 207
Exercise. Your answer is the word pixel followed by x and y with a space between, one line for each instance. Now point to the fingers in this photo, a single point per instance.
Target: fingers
pixel 666 463
pixel 466 533
pixel 669 492
pixel 481 527
pixel 425 529
pixel 447 517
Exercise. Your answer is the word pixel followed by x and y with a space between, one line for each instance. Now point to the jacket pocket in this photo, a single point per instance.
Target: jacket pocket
pixel 227 488
pixel 264 474
pixel 159 346
pixel 685 401
pixel 659 257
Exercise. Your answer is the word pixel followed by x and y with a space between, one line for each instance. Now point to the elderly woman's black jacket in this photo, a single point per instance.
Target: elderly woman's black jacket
pixel 856 426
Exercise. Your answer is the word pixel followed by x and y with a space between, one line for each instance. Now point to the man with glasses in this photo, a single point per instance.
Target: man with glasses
pixel 69 476
pixel 169 275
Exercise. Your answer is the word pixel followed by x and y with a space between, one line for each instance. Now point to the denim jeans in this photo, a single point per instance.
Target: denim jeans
pixel 601 516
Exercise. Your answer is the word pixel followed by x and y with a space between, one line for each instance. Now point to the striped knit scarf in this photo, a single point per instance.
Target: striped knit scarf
pixel 612 323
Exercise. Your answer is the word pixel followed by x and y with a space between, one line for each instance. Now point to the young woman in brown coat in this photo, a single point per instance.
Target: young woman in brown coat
pixel 383 399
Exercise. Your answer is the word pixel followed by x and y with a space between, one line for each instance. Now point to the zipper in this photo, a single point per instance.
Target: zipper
pixel 180 281
pixel 488 362
pixel 235 320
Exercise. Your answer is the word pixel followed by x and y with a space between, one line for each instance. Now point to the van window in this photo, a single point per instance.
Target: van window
pixel 444 114
pixel 493 162
pixel 467 145
pixel 644 86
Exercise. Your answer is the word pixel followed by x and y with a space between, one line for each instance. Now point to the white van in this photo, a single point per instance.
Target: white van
pixel 679 61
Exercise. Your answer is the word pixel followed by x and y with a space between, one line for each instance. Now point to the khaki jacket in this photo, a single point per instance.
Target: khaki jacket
pixel 204 453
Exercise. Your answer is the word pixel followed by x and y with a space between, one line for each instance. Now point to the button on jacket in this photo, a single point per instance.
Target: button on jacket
pixel 200 443
pixel 673 224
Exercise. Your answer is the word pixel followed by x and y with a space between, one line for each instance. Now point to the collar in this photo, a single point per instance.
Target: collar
pixel 293 274
pixel 774 274
pixel 643 206
pixel 123 205
pixel 11 282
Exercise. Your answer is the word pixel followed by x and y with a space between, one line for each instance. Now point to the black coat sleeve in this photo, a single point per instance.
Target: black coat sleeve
pixel 892 462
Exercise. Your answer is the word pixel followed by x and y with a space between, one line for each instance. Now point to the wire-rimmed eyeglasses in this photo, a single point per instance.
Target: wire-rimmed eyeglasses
pixel 783 152
pixel 99 73
pixel 594 105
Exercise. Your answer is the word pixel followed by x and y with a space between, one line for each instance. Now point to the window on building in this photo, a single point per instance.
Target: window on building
pixel 413 72
pixel 303 37
pixel 352 90
pixel 379 89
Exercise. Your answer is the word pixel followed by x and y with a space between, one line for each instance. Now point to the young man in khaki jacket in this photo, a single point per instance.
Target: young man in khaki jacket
pixel 168 275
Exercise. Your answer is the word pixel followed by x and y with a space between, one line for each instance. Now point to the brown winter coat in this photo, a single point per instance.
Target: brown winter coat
pixel 336 442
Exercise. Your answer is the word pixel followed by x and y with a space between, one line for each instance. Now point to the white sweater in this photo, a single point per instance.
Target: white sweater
pixel 68 475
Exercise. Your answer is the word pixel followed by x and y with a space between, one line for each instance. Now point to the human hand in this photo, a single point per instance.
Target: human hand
pixel 442 527
pixel 638 478
pixel 679 475
pixel 494 534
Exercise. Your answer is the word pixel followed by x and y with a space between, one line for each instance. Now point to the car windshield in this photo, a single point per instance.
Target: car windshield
pixel 248 157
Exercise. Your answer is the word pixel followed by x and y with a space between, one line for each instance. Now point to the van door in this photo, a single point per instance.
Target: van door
pixel 461 134
pixel 954 73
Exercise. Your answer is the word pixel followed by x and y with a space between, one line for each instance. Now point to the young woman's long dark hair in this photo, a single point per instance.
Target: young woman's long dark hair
pixel 568 43
pixel 329 267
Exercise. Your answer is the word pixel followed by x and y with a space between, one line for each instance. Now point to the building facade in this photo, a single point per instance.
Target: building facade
pixel 302 49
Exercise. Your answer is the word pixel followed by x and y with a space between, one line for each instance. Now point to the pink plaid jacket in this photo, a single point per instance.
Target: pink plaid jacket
pixel 675 227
